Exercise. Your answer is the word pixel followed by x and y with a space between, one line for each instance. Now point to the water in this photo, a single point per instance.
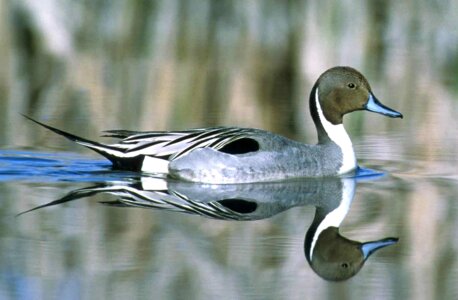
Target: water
pixel 188 243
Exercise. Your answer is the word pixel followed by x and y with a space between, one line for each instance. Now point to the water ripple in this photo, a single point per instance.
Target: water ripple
pixel 34 166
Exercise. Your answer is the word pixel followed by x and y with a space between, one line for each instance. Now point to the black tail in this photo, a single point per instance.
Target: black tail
pixel 71 196
pixel 111 153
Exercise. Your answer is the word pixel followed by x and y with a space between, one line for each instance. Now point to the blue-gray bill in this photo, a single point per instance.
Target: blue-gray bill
pixel 370 247
pixel 375 106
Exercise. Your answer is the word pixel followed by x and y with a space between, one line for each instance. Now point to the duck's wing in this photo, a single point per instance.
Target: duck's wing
pixel 171 201
pixel 171 145
pixel 163 199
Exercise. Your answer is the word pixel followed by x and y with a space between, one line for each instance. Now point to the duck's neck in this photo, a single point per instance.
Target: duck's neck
pixel 335 133
pixel 326 217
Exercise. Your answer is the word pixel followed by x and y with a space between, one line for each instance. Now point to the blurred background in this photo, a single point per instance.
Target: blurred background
pixel 90 65
pixel 163 65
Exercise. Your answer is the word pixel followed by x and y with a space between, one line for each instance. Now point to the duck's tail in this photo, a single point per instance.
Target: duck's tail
pixel 73 195
pixel 108 151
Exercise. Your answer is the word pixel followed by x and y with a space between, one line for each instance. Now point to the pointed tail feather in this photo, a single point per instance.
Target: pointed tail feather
pixel 107 151
pixel 73 195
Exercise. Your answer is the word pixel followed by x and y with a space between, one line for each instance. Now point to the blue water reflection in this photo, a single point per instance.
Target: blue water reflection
pixel 33 166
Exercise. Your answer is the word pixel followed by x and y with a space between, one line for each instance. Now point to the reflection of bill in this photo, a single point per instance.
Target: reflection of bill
pixel 331 256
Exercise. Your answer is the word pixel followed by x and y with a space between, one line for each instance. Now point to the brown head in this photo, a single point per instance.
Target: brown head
pixel 341 90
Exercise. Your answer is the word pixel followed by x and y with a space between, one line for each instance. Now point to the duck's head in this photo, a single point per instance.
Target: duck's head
pixel 337 258
pixel 341 90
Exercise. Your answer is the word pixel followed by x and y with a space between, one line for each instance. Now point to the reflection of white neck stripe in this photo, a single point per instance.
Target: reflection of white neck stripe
pixel 335 217
pixel 338 135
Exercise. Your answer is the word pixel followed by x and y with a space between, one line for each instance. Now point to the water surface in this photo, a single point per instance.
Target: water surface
pixel 99 246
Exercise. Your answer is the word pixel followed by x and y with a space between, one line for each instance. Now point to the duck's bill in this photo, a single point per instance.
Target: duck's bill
pixel 375 106
pixel 370 247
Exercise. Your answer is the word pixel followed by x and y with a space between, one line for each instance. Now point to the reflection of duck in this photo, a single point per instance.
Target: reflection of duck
pixel 237 155
pixel 330 255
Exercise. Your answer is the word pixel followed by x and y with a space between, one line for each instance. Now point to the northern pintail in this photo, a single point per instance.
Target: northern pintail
pixel 239 155
pixel 331 255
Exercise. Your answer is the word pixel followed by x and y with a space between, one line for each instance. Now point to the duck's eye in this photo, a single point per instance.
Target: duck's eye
pixel 351 85
pixel 344 265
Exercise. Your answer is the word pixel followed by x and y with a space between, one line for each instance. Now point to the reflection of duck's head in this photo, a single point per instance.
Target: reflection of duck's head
pixel 338 258
pixel 332 256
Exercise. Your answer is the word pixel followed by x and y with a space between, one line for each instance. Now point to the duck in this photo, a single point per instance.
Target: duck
pixel 229 155
pixel 330 255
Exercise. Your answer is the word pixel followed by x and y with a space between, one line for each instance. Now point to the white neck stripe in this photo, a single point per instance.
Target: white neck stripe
pixel 338 135
pixel 335 217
